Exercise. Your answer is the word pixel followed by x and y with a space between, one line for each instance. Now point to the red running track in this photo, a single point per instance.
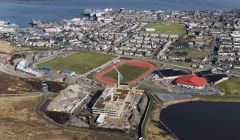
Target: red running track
pixel 111 81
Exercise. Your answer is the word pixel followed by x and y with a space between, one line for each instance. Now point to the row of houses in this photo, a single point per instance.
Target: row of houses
pixel 229 47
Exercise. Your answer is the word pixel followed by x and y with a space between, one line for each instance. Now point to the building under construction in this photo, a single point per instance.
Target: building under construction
pixel 114 101
pixel 115 106
pixel 119 107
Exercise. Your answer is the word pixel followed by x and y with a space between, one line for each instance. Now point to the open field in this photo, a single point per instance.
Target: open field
pixel 15 85
pixel 18 122
pixel 230 86
pixel 181 48
pixel 154 132
pixel 80 62
pixel 219 98
pixel 178 64
pixel 54 47
pixel 167 28
pixel 6 47
pixel 190 52
pixel 129 72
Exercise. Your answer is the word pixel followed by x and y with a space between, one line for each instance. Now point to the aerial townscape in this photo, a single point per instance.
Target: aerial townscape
pixel 114 73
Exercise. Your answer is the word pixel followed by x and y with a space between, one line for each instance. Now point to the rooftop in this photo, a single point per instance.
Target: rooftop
pixel 192 80
pixel 171 72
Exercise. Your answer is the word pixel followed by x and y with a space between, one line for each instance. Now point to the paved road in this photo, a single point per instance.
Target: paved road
pixel 101 67
pixel 155 61
pixel 10 71
pixel 20 96
pixel 165 47
pixel 156 51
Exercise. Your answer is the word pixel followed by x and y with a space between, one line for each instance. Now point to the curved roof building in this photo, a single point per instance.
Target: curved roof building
pixel 191 81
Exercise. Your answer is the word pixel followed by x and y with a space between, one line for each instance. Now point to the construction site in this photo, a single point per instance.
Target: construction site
pixel 118 108
pixel 76 100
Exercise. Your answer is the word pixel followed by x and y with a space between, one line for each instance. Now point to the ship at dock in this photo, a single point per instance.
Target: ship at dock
pixel 91 12
pixel 86 12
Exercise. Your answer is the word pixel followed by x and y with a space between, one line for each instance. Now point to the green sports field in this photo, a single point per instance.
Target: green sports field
pixel 167 28
pixel 80 62
pixel 129 72
pixel 230 86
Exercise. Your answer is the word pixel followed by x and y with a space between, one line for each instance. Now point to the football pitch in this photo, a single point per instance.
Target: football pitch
pixel 80 62
pixel 129 72
pixel 167 28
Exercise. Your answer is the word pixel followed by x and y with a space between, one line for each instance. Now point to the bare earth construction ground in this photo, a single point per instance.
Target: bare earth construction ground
pixel 18 122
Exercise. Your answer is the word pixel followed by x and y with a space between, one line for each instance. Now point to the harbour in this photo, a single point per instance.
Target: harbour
pixel 21 11
pixel 128 69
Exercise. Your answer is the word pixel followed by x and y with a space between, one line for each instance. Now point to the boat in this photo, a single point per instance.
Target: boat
pixel 35 22
pixel 86 12
pixel 235 34
pixel 90 12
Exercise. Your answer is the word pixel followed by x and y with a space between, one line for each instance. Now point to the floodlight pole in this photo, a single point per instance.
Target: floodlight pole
pixel 119 76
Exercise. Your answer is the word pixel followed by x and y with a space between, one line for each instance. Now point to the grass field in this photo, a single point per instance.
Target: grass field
pixel 219 98
pixel 179 64
pixel 6 47
pixel 129 72
pixel 167 28
pixel 80 62
pixel 231 86
pixel 19 122
pixel 153 131
pixel 190 52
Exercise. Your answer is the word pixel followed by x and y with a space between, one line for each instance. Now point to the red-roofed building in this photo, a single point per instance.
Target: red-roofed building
pixel 191 81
